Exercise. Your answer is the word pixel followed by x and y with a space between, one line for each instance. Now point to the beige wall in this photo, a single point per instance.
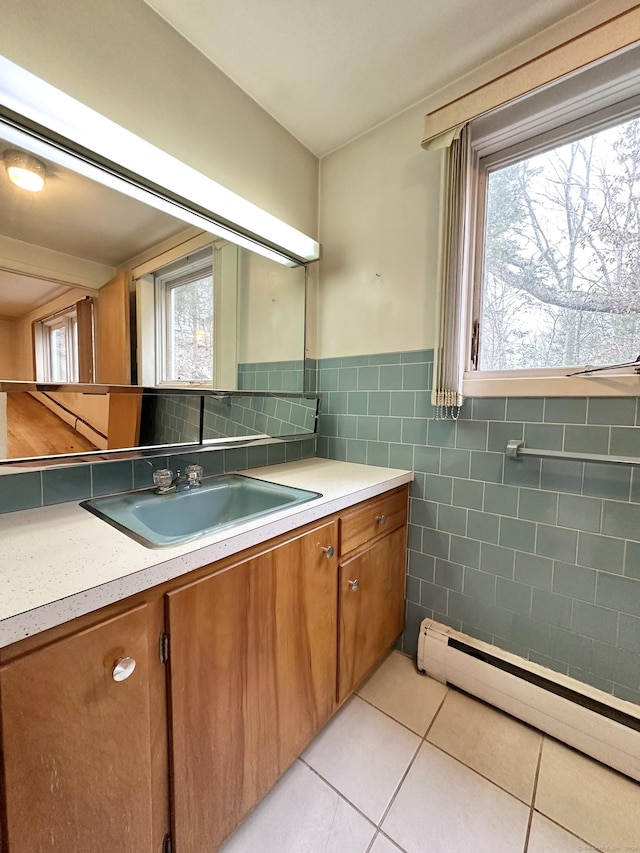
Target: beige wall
pixel 271 309
pixel 379 222
pixel 379 195
pixel 379 209
pixel 121 59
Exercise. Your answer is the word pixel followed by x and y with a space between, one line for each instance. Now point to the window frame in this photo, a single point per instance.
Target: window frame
pixel 181 274
pixel 533 382
pixel 223 256
pixel 68 321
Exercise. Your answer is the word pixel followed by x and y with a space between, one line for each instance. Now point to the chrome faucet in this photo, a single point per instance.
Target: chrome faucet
pixel 167 484
pixel 180 482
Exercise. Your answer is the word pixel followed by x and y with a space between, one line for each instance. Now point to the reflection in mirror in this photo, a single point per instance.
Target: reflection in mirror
pixel 96 286
pixel 170 419
pixel 48 422
pixel 209 419
pixel 258 416
pixel 220 316
pixel 146 420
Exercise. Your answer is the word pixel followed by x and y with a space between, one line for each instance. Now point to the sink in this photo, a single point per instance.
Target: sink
pixel 160 521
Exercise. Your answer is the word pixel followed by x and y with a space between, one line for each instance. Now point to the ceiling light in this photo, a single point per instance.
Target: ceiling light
pixel 24 170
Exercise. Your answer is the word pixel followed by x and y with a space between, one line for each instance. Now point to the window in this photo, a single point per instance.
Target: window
pixel 557 221
pixel 561 266
pixel 59 337
pixel 184 300
pixel 186 315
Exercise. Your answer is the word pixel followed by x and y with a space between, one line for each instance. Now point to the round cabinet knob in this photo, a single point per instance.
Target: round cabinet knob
pixel 354 584
pixel 382 519
pixel 123 668
pixel 328 551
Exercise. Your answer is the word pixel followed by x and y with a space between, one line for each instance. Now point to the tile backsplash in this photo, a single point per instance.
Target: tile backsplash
pixel 538 556
pixel 30 489
pixel 271 375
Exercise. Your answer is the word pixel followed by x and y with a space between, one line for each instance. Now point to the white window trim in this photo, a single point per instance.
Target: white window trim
pixel 150 343
pixel 42 333
pixel 165 284
pixel 552 382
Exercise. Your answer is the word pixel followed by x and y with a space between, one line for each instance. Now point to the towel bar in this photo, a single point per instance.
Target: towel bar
pixel 517 450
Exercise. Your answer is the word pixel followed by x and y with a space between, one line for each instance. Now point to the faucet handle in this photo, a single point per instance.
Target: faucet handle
pixel 162 478
pixel 194 474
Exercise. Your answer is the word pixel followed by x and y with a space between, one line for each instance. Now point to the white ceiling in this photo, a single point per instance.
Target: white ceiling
pixel 331 70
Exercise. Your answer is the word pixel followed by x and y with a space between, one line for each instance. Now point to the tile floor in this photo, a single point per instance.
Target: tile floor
pixel 408 764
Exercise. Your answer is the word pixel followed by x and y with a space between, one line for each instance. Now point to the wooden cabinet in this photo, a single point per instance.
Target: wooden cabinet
pixel 373 547
pixel 263 647
pixel 77 749
pixel 252 679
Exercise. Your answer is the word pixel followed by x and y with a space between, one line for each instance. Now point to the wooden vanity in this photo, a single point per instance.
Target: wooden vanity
pixel 238 664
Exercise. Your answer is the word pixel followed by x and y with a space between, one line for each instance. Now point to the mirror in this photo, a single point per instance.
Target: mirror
pixel 80 259
pixel 143 420
pixel 99 287
pixel 212 419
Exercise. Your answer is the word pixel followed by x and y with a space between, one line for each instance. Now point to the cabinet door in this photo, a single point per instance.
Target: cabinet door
pixel 371 607
pixel 76 743
pixel 252 670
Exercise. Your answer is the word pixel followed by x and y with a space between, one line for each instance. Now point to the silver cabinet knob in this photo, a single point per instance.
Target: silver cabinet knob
pixel 123 668
pixel 354 584
pixel 329 551
pixel 381 519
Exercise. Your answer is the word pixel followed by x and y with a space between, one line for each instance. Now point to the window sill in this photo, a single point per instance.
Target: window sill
pixel 549 384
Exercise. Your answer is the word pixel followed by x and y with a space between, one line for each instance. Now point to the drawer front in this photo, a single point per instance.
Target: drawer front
pixel 374 519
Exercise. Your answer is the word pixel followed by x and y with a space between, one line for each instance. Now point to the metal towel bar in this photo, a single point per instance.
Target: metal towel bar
pixel 517 450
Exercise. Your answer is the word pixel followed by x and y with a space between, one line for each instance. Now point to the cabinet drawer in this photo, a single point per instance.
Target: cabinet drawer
pixel 373 519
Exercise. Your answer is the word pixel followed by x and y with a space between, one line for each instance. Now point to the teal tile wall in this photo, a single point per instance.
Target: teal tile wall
pixel 258 415
pixel 540 557
pixel 170 418
pixel 271 376
pixel 57 485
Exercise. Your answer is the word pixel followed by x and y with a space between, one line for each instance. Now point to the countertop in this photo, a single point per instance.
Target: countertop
pixel 58 562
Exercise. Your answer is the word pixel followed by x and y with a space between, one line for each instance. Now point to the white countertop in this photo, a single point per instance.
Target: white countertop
pixel 58 562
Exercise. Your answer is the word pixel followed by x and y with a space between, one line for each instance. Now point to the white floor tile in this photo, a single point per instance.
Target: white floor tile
pixel 383 845
pixel 589 799
pixel 403 693
pixel 301 814
pixel 490 742
pixel 364 755
pixel 444 807
pixel 547 837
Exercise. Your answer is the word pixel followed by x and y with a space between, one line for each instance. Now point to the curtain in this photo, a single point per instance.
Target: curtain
pixel 86 354
pixel 452 290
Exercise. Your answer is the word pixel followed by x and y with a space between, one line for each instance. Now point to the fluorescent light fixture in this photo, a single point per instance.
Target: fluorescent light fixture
pixel 191 196
pixel 115 182
pixel 24 170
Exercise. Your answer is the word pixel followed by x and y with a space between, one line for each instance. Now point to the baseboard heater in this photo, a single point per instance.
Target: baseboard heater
pixel 588 719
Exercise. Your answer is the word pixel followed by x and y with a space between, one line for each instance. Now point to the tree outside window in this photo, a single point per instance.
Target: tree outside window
pixel 561 282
